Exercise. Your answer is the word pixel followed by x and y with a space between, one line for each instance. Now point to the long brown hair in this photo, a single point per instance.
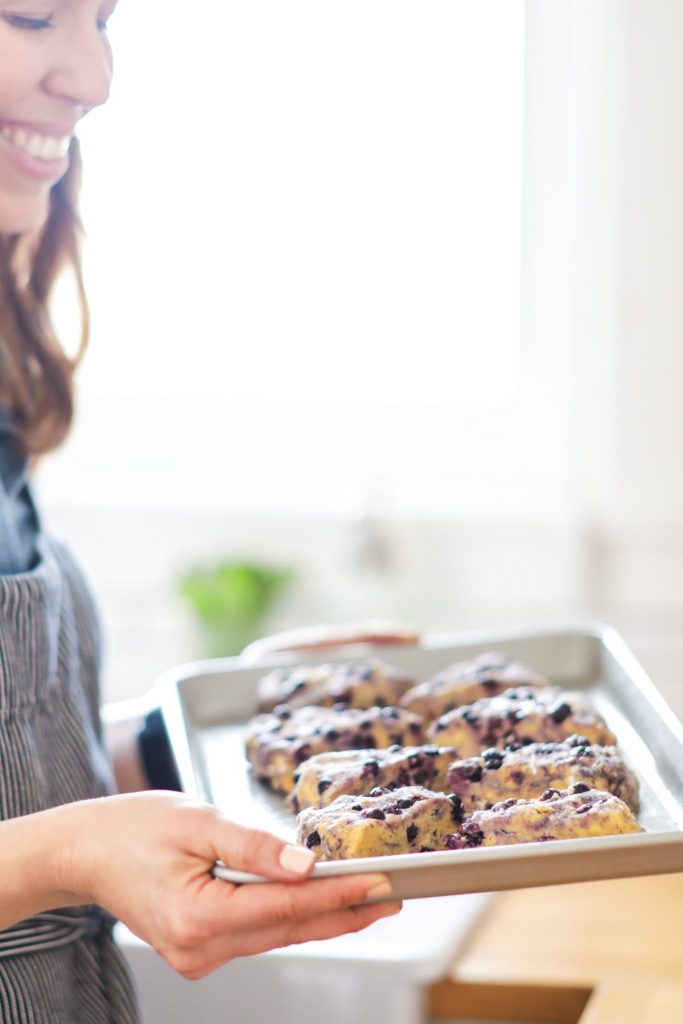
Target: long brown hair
pixel 36 374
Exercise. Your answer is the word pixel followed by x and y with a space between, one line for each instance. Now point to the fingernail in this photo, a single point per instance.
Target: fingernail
pixel 296 859
pixel 389 909
pixel 378 892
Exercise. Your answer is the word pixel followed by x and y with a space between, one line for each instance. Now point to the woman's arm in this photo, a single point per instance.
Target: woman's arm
pixel 31 850
pixel 148 859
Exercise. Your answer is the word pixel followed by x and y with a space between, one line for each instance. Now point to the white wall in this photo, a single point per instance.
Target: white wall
pixel 602 326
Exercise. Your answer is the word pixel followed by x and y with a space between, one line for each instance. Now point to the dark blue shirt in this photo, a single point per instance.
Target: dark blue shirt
pixel 19 524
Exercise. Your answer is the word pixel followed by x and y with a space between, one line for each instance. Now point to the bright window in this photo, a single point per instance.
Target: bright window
pixel 304 256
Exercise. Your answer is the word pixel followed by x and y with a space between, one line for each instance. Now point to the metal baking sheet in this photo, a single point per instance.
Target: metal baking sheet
pixel 206 704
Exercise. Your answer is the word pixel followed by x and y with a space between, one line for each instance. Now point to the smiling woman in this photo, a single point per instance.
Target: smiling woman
pixel 73 856
pixel 45 90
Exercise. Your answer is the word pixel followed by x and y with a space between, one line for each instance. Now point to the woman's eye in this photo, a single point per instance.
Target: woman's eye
pixel 30 24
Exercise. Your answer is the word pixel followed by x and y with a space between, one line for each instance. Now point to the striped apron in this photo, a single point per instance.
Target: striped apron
pixel 60 967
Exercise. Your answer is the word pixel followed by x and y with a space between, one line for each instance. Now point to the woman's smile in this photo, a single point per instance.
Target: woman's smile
pixel 35 151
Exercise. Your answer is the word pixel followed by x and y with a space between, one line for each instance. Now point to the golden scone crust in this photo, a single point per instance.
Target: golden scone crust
pixel 520 715
pixel 526 772
pixel 569 814
pixel 406 820
pixel 324 777
pixel 278 743
pixel 487 675
pixel 361 685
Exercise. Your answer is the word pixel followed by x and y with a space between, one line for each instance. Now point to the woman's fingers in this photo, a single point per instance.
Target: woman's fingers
pixel 198 962
pixel 267 904
pixel 248 849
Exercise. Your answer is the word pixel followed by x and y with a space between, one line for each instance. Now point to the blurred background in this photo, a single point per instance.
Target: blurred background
pixel 387 321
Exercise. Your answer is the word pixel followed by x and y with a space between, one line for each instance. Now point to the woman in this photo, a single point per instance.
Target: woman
pixel 67 848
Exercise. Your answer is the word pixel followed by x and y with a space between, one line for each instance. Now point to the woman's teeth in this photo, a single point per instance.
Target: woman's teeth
pixel 43 147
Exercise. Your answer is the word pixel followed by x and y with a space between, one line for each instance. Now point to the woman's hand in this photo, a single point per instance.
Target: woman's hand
pixel 148 858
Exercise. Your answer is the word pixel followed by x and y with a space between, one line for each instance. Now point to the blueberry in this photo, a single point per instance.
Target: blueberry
pixel 313 839
pixel 405 803
pixel 474 838
pixel 331 735
pixel 470 717
pixel 378 791
pixel 472 771
pixel 580 787
pixel 299 686
pixel 551 794
pixel 494 760
pixel 584 752
pixel 431 751
pixel 367 724
pixel 457 811
pixel 302 752
pixel 373 765
pixel 282 711
pixel 453 842
pixel 510 802
pixel 356 807
pixel 560 712
pixel 411 833
pixel 375 813
pixel 323 785
pixel 394 748
pixel 577 741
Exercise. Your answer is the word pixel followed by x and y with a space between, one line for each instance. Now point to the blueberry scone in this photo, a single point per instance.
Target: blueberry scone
pixel 276 744
pixel 528 771
pixel 324 777
pixel 521 715
pixel 365 685
pixel 487 675
pixel 570 814
pixel 406 820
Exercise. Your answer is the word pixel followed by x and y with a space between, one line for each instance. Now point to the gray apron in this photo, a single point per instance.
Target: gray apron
pixel 60 967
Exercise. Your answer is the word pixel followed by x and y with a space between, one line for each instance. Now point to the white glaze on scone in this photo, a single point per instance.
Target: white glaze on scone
pixel 406 820
pixel 277 744
pixel 487 675
pixel 324 777
pixel 570 814
pixel 520 715
pixel 363 684
pixel 528 771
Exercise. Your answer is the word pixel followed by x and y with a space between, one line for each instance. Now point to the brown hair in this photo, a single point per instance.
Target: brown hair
pixel 36 374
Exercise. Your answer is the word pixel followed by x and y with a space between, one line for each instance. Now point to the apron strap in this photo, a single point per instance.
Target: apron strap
pixel 49 931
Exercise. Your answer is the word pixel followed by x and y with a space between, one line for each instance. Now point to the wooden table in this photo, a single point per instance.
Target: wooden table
pixel 595 953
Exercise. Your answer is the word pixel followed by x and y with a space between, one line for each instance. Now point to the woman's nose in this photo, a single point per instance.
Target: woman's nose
pixel 83 73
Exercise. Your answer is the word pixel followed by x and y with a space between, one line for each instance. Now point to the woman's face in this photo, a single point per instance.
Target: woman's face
pixel 55 65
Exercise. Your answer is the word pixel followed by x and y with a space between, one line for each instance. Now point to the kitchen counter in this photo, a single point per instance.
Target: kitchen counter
pixel 595 953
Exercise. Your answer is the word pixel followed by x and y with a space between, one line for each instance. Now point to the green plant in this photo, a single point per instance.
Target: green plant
pixel 231 601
